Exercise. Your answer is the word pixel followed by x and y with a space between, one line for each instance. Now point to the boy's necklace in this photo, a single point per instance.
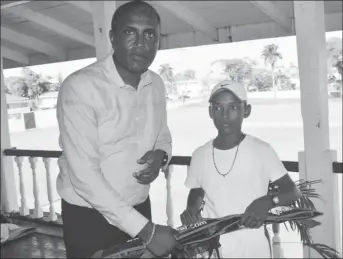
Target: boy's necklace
pixel 234 160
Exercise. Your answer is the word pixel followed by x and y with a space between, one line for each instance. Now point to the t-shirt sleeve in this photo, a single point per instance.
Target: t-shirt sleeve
pixel 193 179
pixel 273 166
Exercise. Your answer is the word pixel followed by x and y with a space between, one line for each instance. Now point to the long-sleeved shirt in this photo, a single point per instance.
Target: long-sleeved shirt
pixel 105 127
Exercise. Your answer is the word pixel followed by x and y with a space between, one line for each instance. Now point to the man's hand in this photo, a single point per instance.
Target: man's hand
pixel 163 241
pixel 256 213
pixel 154 160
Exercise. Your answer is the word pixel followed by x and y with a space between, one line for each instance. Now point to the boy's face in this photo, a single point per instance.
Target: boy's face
pixel 228 112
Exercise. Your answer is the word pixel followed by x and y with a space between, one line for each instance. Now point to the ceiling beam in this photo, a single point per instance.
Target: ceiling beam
pixel 274 13
pixel 83 5
pixel 33 43
pixel 53 24
pixel 189 16
pixel 7 4
pixel 15 55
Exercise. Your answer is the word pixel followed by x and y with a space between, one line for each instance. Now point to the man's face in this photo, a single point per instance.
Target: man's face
pixel 228 112
pixel 136 40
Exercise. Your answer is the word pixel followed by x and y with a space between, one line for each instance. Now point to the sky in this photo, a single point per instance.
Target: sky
pixel 188 58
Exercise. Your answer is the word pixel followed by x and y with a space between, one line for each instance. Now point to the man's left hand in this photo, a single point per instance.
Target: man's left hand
pixel 154 160
pixel 256 213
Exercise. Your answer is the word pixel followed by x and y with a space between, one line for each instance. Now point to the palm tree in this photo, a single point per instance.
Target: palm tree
pixel 167 75
pixel 271 55
pixel 166 72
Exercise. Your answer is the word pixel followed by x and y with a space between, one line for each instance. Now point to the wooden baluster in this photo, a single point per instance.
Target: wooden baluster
pixel 52 215
pixel 169 205
pixel 37 213
pixel 24 210
pixel 276 242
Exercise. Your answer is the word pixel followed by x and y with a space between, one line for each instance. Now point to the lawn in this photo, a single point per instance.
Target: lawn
pixel 278 123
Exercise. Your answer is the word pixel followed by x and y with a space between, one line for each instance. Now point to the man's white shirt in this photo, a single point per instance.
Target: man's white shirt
pixel 256 164
pixel 105 127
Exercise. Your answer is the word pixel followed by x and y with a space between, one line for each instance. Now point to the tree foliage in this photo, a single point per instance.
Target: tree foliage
pixel 31 84
pixel 334 55
pixel 271 55
pixel 166 72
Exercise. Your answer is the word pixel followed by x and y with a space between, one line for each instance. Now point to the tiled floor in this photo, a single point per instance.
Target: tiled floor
pixel 34 246
pixel 45 246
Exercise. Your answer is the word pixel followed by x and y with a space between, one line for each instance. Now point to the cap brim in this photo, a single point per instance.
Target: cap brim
pixel 222 90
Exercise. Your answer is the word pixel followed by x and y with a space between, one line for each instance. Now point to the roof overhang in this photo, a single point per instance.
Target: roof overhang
pixel 41 32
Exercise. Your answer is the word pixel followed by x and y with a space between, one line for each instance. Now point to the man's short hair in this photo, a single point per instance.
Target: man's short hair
pixel 123 9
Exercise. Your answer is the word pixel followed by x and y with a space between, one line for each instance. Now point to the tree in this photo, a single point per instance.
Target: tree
pixel 262 79
pixel 167 74
pixel 238 70
pixel 188 74
pixel 34 84
pixel 334 58
pixel 15 85
pixel 29 84
pixel 178 77
pixel 54 87
pixel 235 69
pixel 7 91
pixel 283 80
pixel 271 55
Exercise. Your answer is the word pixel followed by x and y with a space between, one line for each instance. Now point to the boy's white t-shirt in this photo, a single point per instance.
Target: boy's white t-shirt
pixel 256 164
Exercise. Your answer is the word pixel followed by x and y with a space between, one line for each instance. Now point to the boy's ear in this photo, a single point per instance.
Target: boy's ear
pixel 210 111
pixel 111 35
pixel 247 111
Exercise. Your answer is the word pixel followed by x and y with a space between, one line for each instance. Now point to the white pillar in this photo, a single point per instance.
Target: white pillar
pixel 102 12
pixel 9 200
pixel 316 161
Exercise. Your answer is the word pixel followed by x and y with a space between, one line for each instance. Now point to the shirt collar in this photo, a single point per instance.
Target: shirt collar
pixel 112 72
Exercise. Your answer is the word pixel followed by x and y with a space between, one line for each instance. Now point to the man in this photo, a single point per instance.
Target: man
pixel 114 136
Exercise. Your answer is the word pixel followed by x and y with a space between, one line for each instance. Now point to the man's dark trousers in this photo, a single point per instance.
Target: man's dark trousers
pixel 86 231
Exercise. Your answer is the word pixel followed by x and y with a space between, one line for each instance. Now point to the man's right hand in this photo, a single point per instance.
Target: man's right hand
pixel 163 241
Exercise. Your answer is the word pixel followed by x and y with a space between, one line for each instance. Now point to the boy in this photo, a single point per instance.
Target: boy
pixel 231 174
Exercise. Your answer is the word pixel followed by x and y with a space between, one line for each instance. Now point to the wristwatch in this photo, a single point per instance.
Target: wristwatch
pixel 275 200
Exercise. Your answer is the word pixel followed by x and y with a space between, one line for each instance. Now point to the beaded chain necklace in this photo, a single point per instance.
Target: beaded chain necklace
pixel 234 160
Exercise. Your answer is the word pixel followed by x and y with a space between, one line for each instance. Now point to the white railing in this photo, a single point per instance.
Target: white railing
pixel 24 208
pixel 33 157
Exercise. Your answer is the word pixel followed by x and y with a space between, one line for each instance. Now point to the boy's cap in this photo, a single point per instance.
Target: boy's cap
pixel 236 88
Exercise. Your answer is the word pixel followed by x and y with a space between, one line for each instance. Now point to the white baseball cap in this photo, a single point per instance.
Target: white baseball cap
pixel 236 88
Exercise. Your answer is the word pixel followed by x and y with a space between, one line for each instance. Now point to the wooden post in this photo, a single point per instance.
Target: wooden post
pixel 102 12
pixel 169 205
pixel 316 160
pixel 9 200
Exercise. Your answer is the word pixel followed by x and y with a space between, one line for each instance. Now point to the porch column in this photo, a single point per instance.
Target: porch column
pixel 316 161
pixel 9 200
pixel 102 12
